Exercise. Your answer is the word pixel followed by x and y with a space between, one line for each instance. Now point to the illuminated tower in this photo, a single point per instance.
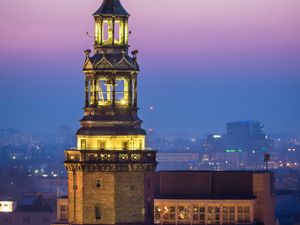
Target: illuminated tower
pixel 106 171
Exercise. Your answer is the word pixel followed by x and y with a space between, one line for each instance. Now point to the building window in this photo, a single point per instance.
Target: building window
pixel 198 214
pixel 140 144
pixel 244 214
pixel 228 215
pixel 45 220
pixel 97 213
pixel 169 214
pixel 101 145
pixel 7 220
pixel 125 145
pixel 63 213
pixel 183 214
pixel 83 144
pixel 99 184
pixel 157 215
pixel 26 220
pixel 213 215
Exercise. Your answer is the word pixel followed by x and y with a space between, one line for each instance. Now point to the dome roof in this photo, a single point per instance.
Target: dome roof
pixel 111 7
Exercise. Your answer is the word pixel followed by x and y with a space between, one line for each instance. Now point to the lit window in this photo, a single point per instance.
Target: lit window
pixel 125 145
pixel 83 144
pixel 183 214
pixel 157 214
pixel 101 145
pixel 198 214
pixel 140 144
pixel 213 215
pixel 244 214
pixel 228 215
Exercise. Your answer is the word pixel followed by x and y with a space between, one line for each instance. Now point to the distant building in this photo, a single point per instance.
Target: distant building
pixel 7 206
pixel 177 160
pixel 249 137
pixel 215 143
pixel 244 143
pixel 31 209
pixel 62 210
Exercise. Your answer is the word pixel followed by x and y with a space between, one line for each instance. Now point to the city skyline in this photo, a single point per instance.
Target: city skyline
pixel 239 63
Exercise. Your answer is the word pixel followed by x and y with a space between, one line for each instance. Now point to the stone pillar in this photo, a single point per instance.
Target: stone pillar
pixel 135 92
pixel 130 92
pixel 87 103
pixel 114 91
pixel 95 101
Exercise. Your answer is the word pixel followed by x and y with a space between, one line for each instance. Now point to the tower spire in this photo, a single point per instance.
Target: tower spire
pixel 111 7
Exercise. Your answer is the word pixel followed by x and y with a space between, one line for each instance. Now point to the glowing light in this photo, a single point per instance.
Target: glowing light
pixel 216 136
pixel 6 206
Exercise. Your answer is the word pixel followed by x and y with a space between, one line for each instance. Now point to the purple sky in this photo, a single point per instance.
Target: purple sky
pixel 203 62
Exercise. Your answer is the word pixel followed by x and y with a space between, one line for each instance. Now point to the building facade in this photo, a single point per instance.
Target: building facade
pixel 211 197
pixel 31 209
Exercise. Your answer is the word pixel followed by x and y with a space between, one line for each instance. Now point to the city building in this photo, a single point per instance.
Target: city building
pixel 31 209
pixel 210 197
pixel 177 160
pixel 249 137
pixel 111 174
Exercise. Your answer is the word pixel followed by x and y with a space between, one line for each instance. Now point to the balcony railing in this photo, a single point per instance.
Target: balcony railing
pixel 110 156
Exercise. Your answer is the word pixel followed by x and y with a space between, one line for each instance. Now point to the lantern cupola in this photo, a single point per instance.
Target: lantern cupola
pixel 111 26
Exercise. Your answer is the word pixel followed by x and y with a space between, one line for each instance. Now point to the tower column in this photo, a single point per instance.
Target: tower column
pixel 130 92
pixel 86 92
pixel 95 101
pixel 113 30
pixel 114 91
pixel 101 31
pixel 135 92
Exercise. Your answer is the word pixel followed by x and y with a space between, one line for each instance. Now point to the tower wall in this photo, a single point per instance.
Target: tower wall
pixel 75 197
pixel 102 197
pixel 129 197
pixel 264 206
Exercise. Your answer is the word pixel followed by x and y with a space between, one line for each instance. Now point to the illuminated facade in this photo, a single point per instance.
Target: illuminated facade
pixel 106 170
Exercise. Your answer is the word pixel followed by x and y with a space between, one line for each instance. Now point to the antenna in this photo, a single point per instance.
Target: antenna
pixel 90 36
pixel 267 158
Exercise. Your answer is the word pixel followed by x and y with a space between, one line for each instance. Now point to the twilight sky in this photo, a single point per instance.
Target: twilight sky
pixel 203 62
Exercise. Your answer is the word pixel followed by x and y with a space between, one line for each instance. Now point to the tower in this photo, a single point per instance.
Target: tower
pixel 107 168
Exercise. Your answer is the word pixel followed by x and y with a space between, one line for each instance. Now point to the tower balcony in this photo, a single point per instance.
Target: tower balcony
pixel 112 160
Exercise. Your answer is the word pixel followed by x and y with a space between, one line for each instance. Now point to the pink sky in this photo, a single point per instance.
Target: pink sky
pixel 239 53
pixel 231 26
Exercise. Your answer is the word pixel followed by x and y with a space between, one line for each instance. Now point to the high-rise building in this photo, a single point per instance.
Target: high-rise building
pixel 249 137
pixel 106 170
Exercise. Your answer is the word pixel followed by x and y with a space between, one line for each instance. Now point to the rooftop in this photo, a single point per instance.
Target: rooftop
pixel 111 7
